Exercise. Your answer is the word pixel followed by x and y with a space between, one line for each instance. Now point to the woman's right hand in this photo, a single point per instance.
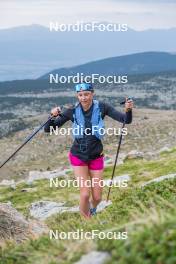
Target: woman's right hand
pixel 55 111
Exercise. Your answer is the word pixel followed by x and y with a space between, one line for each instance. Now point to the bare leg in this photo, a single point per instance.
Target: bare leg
pixel 82 174
pixel 96 188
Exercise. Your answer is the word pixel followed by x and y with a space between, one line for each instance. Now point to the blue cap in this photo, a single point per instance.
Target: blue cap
pixel 83 87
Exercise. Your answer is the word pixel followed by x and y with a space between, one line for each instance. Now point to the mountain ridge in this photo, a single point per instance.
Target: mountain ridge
pixel 138 63
pixel 29 51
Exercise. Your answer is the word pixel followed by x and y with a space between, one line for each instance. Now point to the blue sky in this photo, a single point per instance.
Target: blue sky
pixel 137 14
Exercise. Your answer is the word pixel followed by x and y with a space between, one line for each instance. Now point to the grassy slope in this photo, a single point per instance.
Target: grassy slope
pixel 147 214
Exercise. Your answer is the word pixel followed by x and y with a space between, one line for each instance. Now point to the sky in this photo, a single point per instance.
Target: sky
pixel 137 14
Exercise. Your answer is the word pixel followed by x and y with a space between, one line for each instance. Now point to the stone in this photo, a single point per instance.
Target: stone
pixel 102 205
pixel 94 257
pixel 10 183
pixel 134 154
pixel 39 175
pixel 118 179
pixel 158 179
pixel 14 226
pixel 29 190
pixel 44 209
pixel 164 149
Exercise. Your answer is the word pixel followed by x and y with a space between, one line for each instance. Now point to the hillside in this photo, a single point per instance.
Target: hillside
pixel 21 101
pixel 139 63
pixel 144 209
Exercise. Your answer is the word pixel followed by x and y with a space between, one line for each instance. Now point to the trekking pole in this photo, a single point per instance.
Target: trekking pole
pixel 117 153
pixel 25 142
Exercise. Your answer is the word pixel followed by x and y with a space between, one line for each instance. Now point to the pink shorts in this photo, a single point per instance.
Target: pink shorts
pixel 96 164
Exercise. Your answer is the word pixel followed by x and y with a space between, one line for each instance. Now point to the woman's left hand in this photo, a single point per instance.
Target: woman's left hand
pixel 129 104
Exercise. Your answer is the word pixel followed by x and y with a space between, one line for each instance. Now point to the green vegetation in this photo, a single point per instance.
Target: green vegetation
pixel 142 170
pixel 139 170
pixel 147 214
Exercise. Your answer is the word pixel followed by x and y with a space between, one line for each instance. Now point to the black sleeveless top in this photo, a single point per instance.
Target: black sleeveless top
pixel 89 147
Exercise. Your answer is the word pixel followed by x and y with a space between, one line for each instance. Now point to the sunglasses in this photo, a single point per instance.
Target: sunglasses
pixel 83 87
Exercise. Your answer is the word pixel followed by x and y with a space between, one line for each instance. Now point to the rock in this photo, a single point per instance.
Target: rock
pixel 7 182
pixel 74 209
pixel 13 186
pixel 44 209
pixel 14 226
pixel 10 183
pixel 38 175
pixel 29 190
pixel 103 205
pixel 164 149
pixel 9 203
pixel 150 155
pixel 118 180
pixel 110 162
pixel 94 257
pixel 158 179
pixel 37 228
pixel 134 154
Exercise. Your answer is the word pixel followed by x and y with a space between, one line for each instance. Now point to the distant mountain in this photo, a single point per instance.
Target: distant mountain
pixel 30 51
pixel 139 63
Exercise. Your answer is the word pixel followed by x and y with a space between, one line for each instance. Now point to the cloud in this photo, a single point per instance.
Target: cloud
pixel 137 14
pixel 148 1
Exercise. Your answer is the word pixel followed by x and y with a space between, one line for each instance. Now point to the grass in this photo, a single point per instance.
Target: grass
pixel 142 170
pixel 41 191
pixel 170 151
pixel 147 214
pixel 149 244
pixel 132 210
pixel 43 249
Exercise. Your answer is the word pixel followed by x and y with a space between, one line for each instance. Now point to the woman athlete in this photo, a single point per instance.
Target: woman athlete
pixel 86 154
